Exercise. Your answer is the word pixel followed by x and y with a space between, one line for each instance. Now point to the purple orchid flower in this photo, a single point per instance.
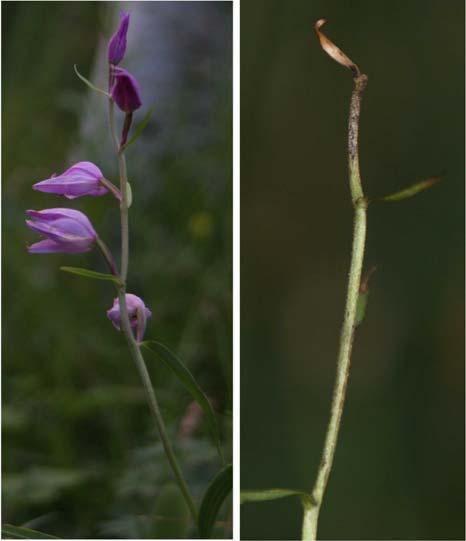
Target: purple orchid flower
pixel 66 230
pixel 117 44
pixel 83 178
pixel 137 311
pixel 125 91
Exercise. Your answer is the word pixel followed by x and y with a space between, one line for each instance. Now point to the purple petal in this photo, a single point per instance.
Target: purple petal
pixel 70 188
pixel 83 178
pixel 49 229
pixel 64 232
pixel 117 44
pixel 100 190
pixel 125 91
pixel 85 168
pixel 49 215
pixel 114 316
pixel 133 302
pixel 137 313
pixel 49 246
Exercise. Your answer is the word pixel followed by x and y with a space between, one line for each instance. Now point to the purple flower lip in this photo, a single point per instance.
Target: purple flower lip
pixel 65 230
pixel 125 90
pixel 117 43
pixel 83 178
pixel 137 311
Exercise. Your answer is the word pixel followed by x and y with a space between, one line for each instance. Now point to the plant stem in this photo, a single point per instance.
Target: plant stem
pixel 110 186
pixel 154 407
pixel 124 196
pixel 126 326
pixel 311 512
pixel 107 256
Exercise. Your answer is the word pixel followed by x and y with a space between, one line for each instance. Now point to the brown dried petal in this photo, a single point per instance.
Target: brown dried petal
pixel 332 50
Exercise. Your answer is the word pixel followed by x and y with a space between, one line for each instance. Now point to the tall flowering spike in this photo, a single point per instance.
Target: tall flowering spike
pixel 65 230
pixel 117 44
pixel 138 314
pixel 83 178
pixel 125 91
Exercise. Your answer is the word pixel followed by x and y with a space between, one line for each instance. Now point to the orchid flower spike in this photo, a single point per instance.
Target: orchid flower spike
pixel 125 91
pixel 83 178
pixel 117 44
pixel 67 231
pixel 138 314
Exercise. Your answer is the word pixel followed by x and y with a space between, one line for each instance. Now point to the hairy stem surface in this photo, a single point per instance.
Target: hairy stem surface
pixel 311 512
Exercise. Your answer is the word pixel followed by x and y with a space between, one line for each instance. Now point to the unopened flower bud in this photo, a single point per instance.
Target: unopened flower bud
pixel 138 314
pixel 125 90
pixel 117 44
pixel 83 178
pixel 66 230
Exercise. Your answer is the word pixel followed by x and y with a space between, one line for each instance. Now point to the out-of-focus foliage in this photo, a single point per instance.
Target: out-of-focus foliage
pixel 80 454
pixel 399 464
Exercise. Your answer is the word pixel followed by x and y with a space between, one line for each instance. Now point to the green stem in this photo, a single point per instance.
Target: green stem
pixel 124 196
pixel 107 256
pixel 126 326
pixel 311 512
pixel 110 186
pixel 154 407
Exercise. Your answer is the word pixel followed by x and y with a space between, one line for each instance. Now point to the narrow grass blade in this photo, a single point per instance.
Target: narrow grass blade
pixel 17 532
pixel 190 384
pixel 215 495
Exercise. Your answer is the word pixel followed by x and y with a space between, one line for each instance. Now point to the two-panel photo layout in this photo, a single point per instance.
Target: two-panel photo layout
pixel 233 280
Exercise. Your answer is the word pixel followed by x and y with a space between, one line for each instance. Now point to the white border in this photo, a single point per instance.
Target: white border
pixel 236 269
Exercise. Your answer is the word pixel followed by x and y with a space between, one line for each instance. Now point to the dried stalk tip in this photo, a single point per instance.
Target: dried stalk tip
pixel 333 51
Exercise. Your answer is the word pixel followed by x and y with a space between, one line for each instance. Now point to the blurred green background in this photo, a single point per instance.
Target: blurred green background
pixel 399 465
pixel 81 458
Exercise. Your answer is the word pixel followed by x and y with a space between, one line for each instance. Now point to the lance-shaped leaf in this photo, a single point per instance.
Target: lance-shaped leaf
pixel 411 190
pixel 91 274
pixel 273 494
pixel 190 384
pixel 139 129
pixel 89 84
pixel 18 532
pixel 215 495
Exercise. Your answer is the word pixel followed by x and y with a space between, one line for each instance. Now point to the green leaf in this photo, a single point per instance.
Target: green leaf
pixel 139 129
pixel 92 274
pixel 215 495
pixel 273 494
pixel 17 532
pixel 411 190
pixel 187 379
pixel 89 84
pixel 361 307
